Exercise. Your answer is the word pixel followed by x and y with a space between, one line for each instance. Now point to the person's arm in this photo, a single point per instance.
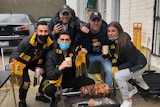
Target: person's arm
pixel 21 47
pixel 134 59
pixel 104 30
pixel 52 71
pixel 55 26
pixel 81 26
pixel 129 55
pixel 83 40
pixel 15 54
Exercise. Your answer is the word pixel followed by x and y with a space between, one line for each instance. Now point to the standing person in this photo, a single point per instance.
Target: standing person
pixel 93 42
pixel 65 20
pixel 127 61
pixel 31 53
pixel 61 71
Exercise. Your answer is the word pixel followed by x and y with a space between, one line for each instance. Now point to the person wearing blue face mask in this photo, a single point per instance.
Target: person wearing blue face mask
pixel 114 38
pixel 64 46
pixel 60 70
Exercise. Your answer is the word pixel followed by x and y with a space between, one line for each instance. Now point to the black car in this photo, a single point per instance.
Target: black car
pixel 13 28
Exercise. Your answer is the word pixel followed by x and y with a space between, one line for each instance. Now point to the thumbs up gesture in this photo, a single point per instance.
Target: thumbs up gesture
pixel 84 28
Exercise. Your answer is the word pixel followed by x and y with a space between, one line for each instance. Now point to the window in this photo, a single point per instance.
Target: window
pixel 156 29
pixel 91 4
pixel 115 10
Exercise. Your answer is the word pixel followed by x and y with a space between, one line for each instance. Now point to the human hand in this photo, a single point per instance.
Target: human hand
pixel 105 49
pixel 84 50
pixel 40 70
pixel 11 65
pixel 65 64
pixel 26 85
pixel 115 70
pixel 57 28
pixel 106 59
pixel 84 28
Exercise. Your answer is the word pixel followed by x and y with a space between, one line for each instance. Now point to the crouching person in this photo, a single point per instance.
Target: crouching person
pixel 30 54
pixel 61 69
pixel 127 61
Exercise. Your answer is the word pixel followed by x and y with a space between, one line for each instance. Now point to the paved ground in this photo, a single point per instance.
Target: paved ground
pixel 7 100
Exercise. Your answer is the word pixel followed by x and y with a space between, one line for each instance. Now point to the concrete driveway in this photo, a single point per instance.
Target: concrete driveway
pixel 6 95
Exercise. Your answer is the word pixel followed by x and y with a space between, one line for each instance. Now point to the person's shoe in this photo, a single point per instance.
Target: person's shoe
pixel 42 98
pixel 22 104
pixel 133 92
pixel 126 103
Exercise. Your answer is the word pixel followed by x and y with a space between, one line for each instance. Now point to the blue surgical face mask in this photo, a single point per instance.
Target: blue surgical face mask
pixel 63 46
pixel 113 39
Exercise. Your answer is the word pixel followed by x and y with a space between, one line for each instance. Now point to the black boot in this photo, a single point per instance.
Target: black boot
pixel 22 104
pixel 53 103
pixel 42 98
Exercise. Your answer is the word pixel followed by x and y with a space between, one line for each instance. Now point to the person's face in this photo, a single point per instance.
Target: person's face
pixel 64 38
pixel 95 24
pixel 42 30
pixel 112 32
pixel 65 17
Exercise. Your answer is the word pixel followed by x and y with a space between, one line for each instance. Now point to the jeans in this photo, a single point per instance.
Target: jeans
pixel 122 77
pixel 106 65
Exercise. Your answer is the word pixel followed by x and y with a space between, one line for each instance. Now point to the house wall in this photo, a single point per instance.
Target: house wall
pixel 131 11
pixel 141 12
pixel 135 11
pixel 79 7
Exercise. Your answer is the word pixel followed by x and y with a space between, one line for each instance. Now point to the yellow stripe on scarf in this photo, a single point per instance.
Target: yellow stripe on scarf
pixel 80 63
pixel 33 43
pixel 57 82
pixel 17 72
pixel 114 70
pixel 18 68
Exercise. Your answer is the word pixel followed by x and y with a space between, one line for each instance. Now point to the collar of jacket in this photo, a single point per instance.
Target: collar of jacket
pixel 33 41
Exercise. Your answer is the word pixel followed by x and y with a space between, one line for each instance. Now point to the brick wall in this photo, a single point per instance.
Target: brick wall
pixel 138 11
pixel 132 11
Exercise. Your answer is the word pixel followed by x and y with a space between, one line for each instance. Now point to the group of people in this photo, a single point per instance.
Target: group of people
pixel 50 46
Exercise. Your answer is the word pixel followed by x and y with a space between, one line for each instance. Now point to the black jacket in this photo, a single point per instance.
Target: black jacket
pixel 26 49
pixel 73 25
pixel 132 58
pixel 54 58
pixel 86 39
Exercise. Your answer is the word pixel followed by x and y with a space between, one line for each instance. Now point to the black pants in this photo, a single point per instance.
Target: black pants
pixel 26 78
pixel 69 83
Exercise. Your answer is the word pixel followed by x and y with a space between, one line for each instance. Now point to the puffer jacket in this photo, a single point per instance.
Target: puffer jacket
pixel 54 58
pixel 73 25
pixel 26 49
pixel 132 58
